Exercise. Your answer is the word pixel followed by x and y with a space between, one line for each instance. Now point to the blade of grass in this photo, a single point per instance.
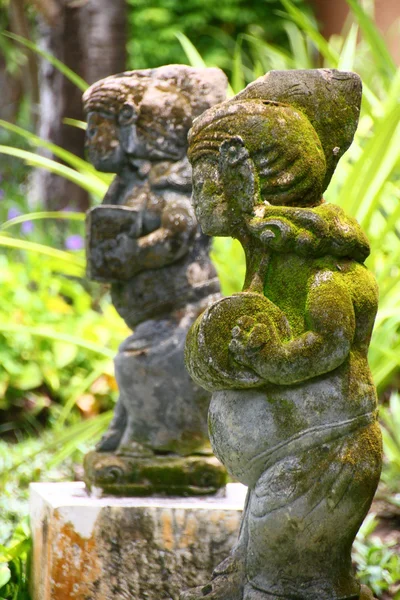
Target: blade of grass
pixel 362 174
pixel 74 161
pixel 379 49
pixel 68 73
pixel 305 23
pixel 87 181
pixel 238 82
pixel 60 255
pixel 72 400
pixel 349 50
pixel 74 432
pixel 268 55
pixel 96 428
pixel 298 46
pixel 75 123
pixel 50 334
pixel 193 55
pixel 69 216
pixel 382 171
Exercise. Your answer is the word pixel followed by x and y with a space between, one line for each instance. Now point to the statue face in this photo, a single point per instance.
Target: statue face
pixel 212 208
pixel 103 142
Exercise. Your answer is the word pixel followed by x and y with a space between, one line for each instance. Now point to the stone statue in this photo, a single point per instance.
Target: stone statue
pixel 293 411
pixel 145 240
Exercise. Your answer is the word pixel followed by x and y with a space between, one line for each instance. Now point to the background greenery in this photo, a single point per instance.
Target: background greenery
pixel 59 332
pixel 211 26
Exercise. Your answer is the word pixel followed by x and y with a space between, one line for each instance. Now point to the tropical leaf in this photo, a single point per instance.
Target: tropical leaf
pixel 67 72
pixel 88 181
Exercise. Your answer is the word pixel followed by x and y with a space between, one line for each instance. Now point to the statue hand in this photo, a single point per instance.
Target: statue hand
pixel 115 259
pixel 250 336
pixel 238 174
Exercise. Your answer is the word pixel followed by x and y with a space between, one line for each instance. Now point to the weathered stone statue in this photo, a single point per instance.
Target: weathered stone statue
pixel 145 240
pixel 293 410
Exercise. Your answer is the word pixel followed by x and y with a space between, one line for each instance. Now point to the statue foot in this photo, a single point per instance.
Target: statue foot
pixel 110 441
pixel 231 564
pixel 223 587
pixel 366 594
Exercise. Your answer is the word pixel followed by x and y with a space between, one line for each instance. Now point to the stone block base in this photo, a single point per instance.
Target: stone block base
pixel 108 548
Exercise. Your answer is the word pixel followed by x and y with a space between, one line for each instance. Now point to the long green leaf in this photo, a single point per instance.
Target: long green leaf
pixel 66 71
pixel 298 46
pixel 97 426
pixel 269 56
pixel 74 161
pixel 379 49
pixel 85 428
pixel 75 123
pixel 59 255
pixel 72 400
pixel 306 24
pixel 194 57
pixel 89 182
pixel 50 334
pixel 349 50
pixel 69 216
pixel 363 173
pixel 238 82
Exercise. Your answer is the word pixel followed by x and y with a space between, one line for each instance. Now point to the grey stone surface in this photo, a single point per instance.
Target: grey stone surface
pixel 144 240
pixel 293 412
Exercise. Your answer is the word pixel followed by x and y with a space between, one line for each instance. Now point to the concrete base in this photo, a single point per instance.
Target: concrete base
pixel 108 548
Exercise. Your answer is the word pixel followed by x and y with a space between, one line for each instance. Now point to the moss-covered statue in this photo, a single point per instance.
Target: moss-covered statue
pixel 145 240
pixel 293 409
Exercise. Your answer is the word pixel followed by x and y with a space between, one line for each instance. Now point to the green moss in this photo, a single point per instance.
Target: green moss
pixel 170 474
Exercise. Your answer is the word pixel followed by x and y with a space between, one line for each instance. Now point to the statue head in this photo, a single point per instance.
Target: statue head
pixel 263 147
pixel 147 114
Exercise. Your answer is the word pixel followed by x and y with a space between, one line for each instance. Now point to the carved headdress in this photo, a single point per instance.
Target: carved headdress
pixel 296 125
pixel 160 103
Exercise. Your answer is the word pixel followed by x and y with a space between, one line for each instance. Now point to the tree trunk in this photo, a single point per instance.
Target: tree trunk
pixel 88 37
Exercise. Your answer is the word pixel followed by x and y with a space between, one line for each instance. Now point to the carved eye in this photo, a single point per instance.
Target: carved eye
pixel 91 132
pixel 127 114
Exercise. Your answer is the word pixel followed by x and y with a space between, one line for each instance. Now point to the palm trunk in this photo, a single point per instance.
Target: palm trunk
pixel 89 37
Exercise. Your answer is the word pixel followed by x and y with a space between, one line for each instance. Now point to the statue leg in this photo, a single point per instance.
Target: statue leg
pixel 229 576
pixel 303 517
pixel 111 439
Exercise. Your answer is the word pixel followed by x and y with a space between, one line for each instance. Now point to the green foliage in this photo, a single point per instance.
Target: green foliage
pixel 390 418
pixel 51 457
pixel 60 66
pixel 211 26
pixel 14 564
pixel 57 338
pixel 378 565
pixel 228 258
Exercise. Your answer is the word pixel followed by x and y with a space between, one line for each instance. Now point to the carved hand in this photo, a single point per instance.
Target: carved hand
pixel 250 335
pixel 322 348
pixel 116 257
pixel 238 174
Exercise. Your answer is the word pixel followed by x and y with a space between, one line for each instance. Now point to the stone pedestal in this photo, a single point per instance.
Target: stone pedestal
pixel 87 548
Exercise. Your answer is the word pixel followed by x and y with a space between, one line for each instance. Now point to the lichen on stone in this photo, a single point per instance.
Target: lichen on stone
pixel 293 412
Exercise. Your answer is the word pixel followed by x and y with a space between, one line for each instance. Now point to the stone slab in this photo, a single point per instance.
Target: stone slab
pixel 107 548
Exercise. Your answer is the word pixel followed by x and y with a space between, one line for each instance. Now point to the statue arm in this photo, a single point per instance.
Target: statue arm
pixel 330 323
pixel 167 243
